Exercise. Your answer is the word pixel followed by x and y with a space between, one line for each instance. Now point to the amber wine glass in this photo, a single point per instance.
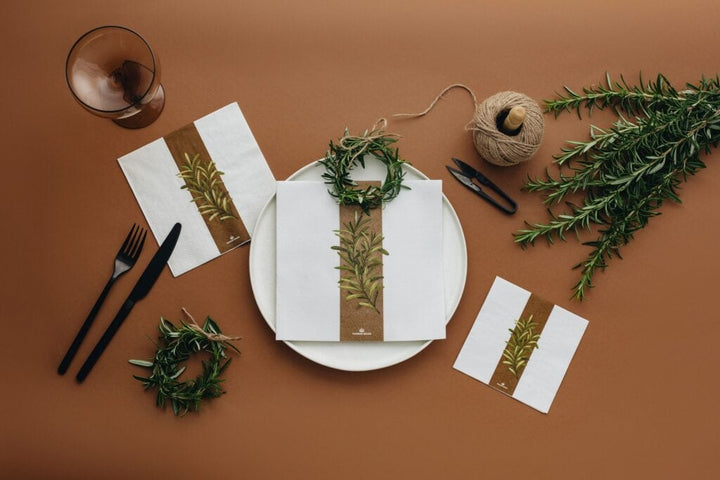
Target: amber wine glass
pixel 113 73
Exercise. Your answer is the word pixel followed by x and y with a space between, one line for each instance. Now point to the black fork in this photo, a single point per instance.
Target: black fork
pixel 124 261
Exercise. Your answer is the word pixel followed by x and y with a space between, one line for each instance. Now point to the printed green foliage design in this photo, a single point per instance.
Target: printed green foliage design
pixel 361 252
pixel 523 340
pixel 205 185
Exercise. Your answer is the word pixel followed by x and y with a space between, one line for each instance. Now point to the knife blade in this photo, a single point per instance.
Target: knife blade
pixel 141 289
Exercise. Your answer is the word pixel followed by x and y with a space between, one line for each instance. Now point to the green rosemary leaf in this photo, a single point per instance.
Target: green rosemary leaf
pixel 178 373
pixel 211 326
pixel 141 363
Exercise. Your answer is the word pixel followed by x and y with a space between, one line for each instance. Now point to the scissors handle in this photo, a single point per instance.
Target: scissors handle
pixel 488 183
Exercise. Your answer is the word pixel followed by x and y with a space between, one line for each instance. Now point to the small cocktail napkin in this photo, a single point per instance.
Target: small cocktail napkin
pixel 521 344
pixel 210 176
pixel 343 275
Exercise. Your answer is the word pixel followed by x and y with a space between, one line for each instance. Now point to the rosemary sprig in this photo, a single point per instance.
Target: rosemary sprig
pixel 625 172
pixel 628 98
pixel 361 251
pixel 351 151
pixel 176 345
pixel 523 340
pixel 204 184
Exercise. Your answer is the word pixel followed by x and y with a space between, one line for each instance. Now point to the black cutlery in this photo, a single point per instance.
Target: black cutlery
pixel 141 289
pixel 124 261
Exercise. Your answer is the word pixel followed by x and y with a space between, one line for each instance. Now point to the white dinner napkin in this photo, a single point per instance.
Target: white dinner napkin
pixel 308 295
pixel 490 349
pixel 226 154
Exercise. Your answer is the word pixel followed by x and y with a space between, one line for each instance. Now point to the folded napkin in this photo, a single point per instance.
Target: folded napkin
pixel 210 176
pixel 395 296
pixel 521 345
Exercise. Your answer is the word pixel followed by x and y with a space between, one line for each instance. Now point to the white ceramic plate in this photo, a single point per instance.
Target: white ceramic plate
pixel 353 356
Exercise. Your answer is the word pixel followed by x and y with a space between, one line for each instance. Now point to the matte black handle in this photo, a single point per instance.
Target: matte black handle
pixel 72 351
pixel 104 340
pixel 494 203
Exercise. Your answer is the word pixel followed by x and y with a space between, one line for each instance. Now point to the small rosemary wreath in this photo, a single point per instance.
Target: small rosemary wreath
pixel 176 345
pixel 351 151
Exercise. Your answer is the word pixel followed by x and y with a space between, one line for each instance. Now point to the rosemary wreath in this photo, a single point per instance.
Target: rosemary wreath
pixel 351 151
pixel 176 346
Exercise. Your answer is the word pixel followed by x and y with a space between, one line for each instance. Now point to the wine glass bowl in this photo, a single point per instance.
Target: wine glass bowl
pixel 112 72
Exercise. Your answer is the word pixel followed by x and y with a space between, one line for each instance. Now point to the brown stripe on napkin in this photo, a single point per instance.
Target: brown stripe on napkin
pixel 503 378
pixel 361 317
pixel 207 188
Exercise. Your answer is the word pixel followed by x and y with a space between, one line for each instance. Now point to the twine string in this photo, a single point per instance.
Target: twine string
pixel 215 337
pixel 437 99
pixel 492 144
pixel 375 132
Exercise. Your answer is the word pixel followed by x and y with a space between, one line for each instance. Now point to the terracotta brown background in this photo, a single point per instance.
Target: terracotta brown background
pixel 640 397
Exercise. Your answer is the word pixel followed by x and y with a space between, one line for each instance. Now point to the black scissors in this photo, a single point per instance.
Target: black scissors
pixel 466 174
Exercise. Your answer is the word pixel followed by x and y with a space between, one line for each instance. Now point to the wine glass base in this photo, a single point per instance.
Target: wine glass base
pixel 147 115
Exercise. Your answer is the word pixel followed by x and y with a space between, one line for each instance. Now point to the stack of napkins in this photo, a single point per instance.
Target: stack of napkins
pixel 521 344
pixel 400 300
pixel 210 176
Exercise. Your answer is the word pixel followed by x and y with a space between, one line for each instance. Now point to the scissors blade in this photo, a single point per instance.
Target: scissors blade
pixel 463 178
pixel 471 172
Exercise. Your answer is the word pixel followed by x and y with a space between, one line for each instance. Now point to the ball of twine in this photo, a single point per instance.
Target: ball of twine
pixel 491 143
pixel 498 147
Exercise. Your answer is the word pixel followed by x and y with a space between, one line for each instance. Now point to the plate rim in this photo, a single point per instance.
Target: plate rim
pixel 421 344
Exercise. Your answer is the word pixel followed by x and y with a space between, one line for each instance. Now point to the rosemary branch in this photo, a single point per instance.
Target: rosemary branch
pixel 627 171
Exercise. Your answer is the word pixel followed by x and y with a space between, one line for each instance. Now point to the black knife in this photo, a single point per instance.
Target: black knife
pixel 142 287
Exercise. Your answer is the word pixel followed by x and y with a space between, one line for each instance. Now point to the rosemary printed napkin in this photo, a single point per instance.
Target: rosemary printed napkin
pixel 210 176
pixel 521 344
pixel 347 275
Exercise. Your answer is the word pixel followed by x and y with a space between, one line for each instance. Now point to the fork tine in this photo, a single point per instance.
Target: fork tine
pixel 127 239
pixel 134 242
pixel 138 245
